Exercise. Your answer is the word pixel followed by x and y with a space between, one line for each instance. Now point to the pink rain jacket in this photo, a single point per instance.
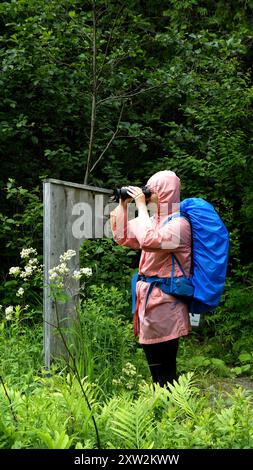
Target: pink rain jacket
pixel 164 317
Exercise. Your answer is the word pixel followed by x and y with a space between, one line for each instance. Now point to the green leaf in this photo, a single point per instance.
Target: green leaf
pixel 245 357
pixel 131 253
pixel 99 250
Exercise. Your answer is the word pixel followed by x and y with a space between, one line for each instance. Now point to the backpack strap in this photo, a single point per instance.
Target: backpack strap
pixel 134 280
pixel 174 258
pixel 184 215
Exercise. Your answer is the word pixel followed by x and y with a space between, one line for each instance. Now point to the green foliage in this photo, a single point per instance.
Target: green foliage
pixel 52 414
pixel 58 441
pixel 183 71
pixel 108 301
pixel 25 287
pixel 129 379
pixel 111 264
pixel 101 339
pixel 245 363
pixel 193 59
pixel 43 411
pixel 26 226
pixel 21 226
pixel 21 353
pixel 232 322
pixel 133 424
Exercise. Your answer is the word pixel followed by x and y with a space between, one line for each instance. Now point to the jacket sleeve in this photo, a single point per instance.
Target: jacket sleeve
pixel 169 237
pixel 123 230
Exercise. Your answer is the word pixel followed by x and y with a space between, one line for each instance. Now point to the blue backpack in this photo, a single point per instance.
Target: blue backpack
pixel 210 251
pixel 210 248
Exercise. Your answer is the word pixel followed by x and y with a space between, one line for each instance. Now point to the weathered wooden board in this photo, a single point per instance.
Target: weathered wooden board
pixel 72 213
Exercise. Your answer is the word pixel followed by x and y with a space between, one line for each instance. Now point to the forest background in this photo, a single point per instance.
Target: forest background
pixel 106 93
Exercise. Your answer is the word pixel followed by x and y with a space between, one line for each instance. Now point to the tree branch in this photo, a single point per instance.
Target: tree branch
pixel 9 400
pixel 111 140
pixel 83 33
pixel 114 63
pixel 109 40
pixel 129 95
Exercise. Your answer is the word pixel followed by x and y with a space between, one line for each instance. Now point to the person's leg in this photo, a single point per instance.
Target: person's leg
pixel 161 359
pixel 168 369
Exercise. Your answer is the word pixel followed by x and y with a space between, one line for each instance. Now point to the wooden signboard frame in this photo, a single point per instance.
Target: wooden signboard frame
pixel 72 213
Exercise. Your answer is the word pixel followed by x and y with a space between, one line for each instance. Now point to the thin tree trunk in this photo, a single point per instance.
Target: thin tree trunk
pixel 94 96
pixel 111 140
pixel 95 86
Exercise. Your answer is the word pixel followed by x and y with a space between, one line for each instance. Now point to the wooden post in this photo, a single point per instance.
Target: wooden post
pixel 72 213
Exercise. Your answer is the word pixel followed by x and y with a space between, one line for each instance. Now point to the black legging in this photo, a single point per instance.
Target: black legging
pixel 161 359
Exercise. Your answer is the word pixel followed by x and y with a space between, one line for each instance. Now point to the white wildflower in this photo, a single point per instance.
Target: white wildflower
pixel 9 312
pixel 62 268
pixel 83 271
pixel 27 272
pixel 14 271
pixel 20 292
pixel 67 255
pixel 26 252
pixel 53 275
pixel 33 261
pixel 116 382
pixel 52 270
pixel 129 386
pixel 86 271
pixel 77 275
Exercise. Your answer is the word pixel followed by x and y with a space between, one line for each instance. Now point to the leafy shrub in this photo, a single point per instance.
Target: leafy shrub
pixel 24 290
pixel 232 322
pixel 102 340
pixel 21 225
pixel 50 412
pixel 112 264
pixel 187 419
pixel 20 353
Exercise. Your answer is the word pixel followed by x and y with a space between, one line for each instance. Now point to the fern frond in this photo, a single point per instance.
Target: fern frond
pixel 74 397
pixel 134 423
pixel 55 440
pixel 183 394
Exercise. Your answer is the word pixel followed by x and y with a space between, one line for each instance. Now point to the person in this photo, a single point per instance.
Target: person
pixel 161 319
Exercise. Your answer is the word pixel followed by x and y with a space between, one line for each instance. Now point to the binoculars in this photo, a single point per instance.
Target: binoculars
pixel 121 193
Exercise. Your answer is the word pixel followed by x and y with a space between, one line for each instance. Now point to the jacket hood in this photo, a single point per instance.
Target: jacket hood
pixel 166 185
